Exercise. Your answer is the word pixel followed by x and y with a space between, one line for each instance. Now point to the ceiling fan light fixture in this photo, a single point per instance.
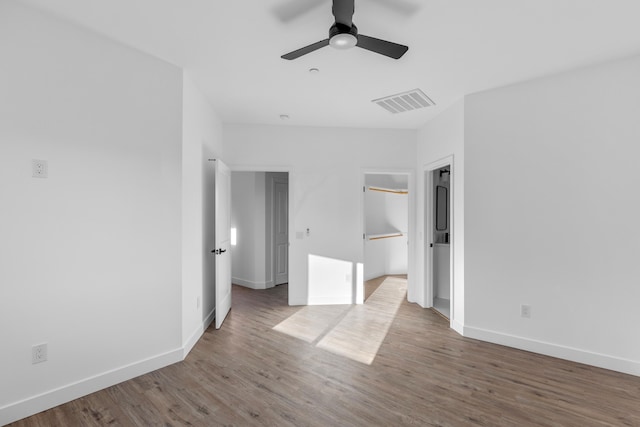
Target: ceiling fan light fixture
pixel 343 41
pixel 342 36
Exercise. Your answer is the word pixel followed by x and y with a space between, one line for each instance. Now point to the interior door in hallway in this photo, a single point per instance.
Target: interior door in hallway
pixel 222 241
pixel 281 230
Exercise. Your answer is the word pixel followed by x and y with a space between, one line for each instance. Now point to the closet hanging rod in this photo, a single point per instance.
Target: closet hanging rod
pixel 388 190
pixel 384 236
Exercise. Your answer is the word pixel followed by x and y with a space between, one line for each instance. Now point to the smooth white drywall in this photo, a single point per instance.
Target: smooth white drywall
pixel 441 138
pixel 375 209
pixel 396 255
pixel 248 217
pixel 552 212
pixel 201 141
pixel 90 258
pixel 325 191
pixel 387 180
pixel 375 259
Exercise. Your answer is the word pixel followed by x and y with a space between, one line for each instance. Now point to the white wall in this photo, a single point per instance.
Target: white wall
pixel 552 212
pixel 387 180
pixel 90 258
pixel 375 258
pixel 248 216
pixel 201 141
pixel 325 193
pixel 442 137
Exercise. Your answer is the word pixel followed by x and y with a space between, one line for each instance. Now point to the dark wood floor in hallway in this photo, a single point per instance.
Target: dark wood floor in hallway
pixel 424 374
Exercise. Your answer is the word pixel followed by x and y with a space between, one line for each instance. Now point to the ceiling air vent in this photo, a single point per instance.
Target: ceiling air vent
pixel 405 101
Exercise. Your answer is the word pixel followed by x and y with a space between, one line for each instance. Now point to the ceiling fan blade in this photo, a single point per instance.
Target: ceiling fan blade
pixel 290 10
pixel 307 49
pixel 383 47
pixel 343 11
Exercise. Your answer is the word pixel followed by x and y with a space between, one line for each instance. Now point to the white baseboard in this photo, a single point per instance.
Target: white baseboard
pixel 457 326
pixel 193 339
pixel 297 301
pixel 32 405
pixel 396 272
pixel 373 275
pixel 599 360
pixel 209 320
pixel 249 283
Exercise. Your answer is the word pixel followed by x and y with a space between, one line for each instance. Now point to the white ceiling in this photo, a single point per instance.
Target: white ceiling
pixel 232 50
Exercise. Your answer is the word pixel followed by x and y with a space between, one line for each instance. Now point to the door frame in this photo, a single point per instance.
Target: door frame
pixel 267 168
pixel 411 187
pixel 427 173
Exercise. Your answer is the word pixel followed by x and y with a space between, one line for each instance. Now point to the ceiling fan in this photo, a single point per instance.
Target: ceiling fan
pixel 343 34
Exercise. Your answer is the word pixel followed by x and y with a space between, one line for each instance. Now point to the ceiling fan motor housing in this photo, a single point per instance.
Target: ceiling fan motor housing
pixel 343 36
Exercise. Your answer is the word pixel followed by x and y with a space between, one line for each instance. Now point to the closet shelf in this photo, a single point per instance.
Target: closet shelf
pixel 384 236
pixel 389 190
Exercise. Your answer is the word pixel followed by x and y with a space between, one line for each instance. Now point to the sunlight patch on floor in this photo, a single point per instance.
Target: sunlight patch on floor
pixel 360 332
pixel 309 323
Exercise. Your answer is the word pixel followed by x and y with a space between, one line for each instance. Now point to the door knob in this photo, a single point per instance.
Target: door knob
pixel 218 251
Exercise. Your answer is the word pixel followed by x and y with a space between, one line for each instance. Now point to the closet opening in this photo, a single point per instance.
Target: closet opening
pixel 386 221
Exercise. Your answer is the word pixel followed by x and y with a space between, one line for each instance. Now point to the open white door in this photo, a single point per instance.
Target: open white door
pixel 222 241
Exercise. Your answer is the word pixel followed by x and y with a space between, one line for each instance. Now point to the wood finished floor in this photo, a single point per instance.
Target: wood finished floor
pixel 423 375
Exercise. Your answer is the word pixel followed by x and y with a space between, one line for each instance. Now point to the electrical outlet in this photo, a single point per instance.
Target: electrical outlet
pixel 198 302
pixel 525 311
pixel 39 353
pixel 39 168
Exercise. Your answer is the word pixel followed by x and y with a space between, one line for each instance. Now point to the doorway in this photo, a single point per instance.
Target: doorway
pixel 386 222
pixel 260 228
pixel 439 236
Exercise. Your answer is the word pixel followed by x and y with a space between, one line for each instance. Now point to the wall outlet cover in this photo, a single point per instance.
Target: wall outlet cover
pixel 39 353
pixel 39 168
